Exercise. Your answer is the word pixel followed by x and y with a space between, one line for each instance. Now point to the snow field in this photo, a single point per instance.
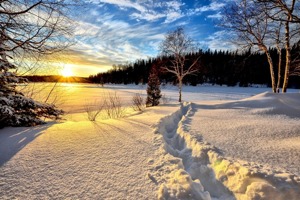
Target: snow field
pixel 162 152
pixel 78 159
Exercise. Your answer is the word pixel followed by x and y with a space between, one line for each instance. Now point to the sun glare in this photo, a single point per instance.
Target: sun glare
pixel 67 71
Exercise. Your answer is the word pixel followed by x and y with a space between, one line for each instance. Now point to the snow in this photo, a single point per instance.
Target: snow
pixel 265 129
pixel 221 176
pixel 102 160
pixel 222 143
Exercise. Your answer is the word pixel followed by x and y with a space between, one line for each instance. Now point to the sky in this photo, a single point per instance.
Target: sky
pixel 112 32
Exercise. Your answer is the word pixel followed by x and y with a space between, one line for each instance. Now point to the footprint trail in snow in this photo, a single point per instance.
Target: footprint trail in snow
pixel 189 168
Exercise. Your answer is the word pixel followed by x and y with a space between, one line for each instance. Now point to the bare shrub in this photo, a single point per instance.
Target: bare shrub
pixel 165 99
pixel 138 102
pixel 113 106
pixel 50 93
pixel 94 109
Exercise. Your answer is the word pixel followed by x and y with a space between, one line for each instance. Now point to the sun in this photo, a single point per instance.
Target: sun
pixel 67 71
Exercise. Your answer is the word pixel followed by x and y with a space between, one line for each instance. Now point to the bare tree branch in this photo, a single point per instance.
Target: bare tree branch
pixel 20 12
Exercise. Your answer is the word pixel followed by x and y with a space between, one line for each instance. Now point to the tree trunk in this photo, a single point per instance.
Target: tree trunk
pixel 271 69
pixel 279 70
pixel 180 88
pixel 288 56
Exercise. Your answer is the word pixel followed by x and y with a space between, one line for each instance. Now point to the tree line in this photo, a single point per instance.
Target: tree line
pixel 55 78
pixel 218 67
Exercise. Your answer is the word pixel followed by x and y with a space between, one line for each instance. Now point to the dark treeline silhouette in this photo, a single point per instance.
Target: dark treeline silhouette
pixel 56 78
pixel 215 67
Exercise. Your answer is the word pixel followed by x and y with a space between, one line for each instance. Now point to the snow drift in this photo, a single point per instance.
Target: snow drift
pixel 269 103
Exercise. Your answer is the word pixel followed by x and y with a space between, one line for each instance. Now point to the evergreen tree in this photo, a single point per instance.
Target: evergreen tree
pixel 15 108
pixel 153 89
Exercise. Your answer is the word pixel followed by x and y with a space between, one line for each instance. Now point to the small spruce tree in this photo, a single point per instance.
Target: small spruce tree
pixel 153 89
pixel 15 108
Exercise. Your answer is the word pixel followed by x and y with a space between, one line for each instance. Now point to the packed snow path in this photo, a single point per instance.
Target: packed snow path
pixel 184 166
pixel 79 159
pixel 190 168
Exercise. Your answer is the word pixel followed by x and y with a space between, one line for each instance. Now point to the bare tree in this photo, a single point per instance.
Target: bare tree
pixel 287 12
pixel 31 28
pixel 252 27
pixel 176 46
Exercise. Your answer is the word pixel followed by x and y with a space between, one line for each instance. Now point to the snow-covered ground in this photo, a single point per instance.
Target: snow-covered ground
pixel 223 143
pixel 265 129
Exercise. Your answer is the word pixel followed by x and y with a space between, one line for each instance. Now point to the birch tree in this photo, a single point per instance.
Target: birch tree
pixel 288 13
pixel 252 27
pixel 176 46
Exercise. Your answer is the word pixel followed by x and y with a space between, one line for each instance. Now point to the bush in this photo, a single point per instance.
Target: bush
pixel 138 102
pixel 110 104
pixel 113 106
pixel 94 109
pixel 165 99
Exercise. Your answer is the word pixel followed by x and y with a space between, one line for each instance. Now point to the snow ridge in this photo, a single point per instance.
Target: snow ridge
pixel 189 168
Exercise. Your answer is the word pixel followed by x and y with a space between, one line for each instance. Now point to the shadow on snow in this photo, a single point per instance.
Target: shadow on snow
pixel 14 139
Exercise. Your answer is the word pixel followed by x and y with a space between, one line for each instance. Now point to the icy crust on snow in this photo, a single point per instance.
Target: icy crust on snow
pixel 189 168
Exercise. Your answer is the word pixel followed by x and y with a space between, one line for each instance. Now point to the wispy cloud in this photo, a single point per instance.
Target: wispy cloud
pixel 215 16
pixel 123 4
pixel 219 40
pixel 149 16
pixel 112 41
pixel 213 6
pixel 149 10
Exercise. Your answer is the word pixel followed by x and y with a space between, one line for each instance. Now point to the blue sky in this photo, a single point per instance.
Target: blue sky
pixel 118 31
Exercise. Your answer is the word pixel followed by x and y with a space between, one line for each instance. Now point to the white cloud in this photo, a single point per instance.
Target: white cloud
pixel 172 16
pixel 176 5
pixel 147 16
pixel 213 6
pixel 149 10
pixel 215 16
pixel 125 3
